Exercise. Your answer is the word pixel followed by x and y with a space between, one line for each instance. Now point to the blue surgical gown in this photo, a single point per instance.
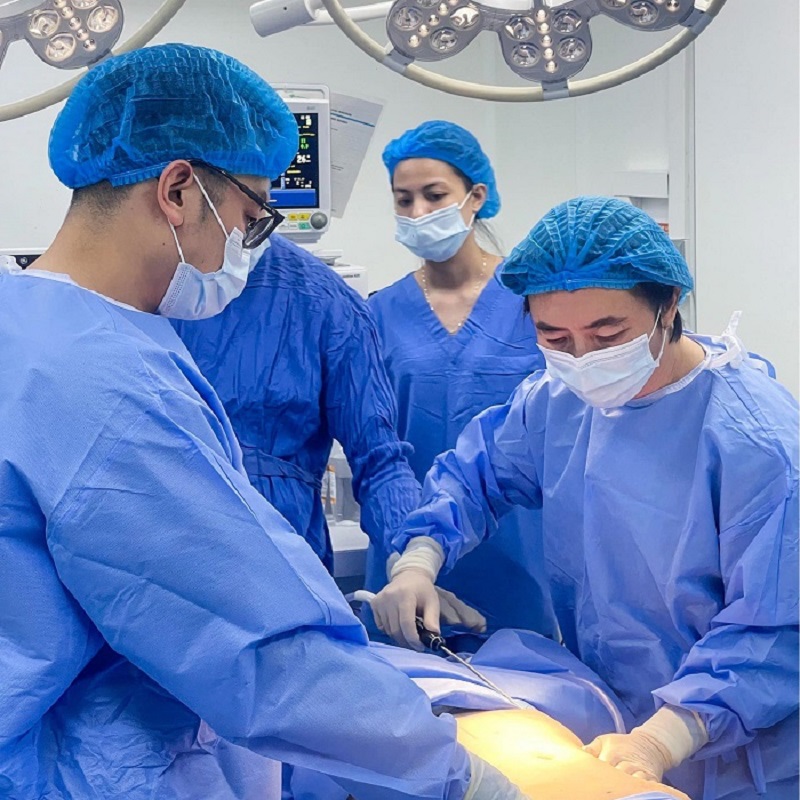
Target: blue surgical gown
pixel 146 586
pixel 296 363
pixel 671 540
pixel 442 381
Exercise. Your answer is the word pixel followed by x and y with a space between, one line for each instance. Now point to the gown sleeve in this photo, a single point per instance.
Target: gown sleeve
pixel 743 674
pixel 192 576
pixel 362 416
pixel 490 470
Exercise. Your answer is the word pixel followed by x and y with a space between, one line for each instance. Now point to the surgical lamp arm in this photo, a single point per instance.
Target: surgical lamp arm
pixel 357 14
pixel 275 16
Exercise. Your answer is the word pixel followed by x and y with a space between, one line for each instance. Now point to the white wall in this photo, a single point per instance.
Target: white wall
pixel 548 152
pixel 747 137
pixel 746 147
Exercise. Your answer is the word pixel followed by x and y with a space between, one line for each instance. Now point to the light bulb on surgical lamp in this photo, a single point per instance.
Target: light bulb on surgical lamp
pixel 68 34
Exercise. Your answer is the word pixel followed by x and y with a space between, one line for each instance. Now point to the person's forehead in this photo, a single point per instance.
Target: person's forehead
pixel 422 171
pixel 584 305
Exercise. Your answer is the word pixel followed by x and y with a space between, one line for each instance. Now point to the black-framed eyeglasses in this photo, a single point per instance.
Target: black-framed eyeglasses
pixel 259 230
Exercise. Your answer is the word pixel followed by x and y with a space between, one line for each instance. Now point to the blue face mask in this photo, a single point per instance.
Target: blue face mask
pixel 193 294
pixel 437 236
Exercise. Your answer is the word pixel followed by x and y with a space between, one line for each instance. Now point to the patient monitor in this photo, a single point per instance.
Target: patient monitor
pixel 303 192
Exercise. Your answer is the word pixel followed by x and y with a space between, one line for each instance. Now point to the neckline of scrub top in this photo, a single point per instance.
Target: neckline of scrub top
pixel 60 277
pixel 676 386
pixel 484 304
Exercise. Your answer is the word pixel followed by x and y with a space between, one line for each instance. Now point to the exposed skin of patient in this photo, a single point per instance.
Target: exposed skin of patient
pixel 545 759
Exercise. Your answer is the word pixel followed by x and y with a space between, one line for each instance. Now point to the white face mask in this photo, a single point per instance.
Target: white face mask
pixel 257 252
pixel 193 294
pixel 437 236
pixel 611 377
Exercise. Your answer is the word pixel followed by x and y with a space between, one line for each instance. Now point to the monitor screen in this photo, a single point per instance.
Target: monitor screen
pixel 298 187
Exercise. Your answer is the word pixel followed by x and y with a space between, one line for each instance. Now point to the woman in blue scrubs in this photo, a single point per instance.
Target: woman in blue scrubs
pixel 456 342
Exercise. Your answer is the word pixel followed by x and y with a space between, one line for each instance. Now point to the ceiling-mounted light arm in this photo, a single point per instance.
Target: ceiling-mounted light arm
pixel 387 56
pixel 139 39
pixel 275 16
pixel 380 10
pixel 356 13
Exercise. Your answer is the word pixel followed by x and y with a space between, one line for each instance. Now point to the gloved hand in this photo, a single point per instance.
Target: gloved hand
pixel 456 612
pixel 636 753
pixel 665 740
pixel 410 594
pixel 488 783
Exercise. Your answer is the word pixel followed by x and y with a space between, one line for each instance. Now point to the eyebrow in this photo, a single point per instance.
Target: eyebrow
pixel 433 185
pixel 598 323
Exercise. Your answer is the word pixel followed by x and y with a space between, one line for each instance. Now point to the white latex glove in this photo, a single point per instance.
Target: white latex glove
pixel 667 739
pixel 410 594
pixel 456 612
pixel 488 783
pixel 636 753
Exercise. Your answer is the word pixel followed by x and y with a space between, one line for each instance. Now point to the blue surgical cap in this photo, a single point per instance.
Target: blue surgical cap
pixel 594 242
pixel 133 114
pixel 448 142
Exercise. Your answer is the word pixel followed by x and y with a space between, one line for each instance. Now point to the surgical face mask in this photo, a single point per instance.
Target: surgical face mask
pixel 610 377
pixel 8 265
pixel 437 236
pixel 193 294
pixel 256 253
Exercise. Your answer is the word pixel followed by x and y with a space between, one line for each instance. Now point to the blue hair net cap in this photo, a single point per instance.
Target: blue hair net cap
pixel 448 142
pixel 133 114
pixel 594 242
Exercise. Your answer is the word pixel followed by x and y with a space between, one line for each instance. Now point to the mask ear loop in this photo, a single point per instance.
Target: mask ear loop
pixel 210 204
pixel 177 243
pixel 463 203
pixel 663 336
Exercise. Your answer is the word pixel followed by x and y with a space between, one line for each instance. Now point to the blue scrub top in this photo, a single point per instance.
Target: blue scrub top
pixel 442 381
pixel 296 362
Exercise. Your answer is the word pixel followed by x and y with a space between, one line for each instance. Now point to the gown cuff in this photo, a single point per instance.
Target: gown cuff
pixel 681 732
pixel 422 553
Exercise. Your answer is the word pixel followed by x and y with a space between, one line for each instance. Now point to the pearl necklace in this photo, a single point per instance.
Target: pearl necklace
pixel 479 283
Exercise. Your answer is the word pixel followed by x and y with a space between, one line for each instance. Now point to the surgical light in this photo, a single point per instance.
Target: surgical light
pixel 544 41
pixel 557 40
pixel 68 34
